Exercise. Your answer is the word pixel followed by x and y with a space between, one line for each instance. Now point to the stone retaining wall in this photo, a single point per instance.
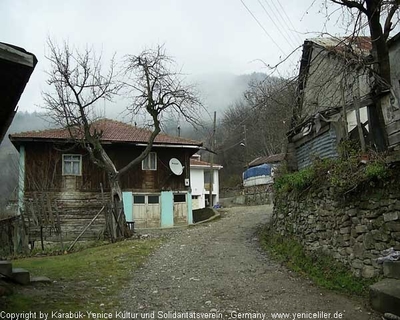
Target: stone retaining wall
pixel 258 195
pixel 353 230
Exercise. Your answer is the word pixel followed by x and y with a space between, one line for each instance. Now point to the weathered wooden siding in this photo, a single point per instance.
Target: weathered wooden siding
pixel 75 200
pixel 68 212
pixel 44 169
pixel 323 82
pixel 391 103
pixel 152 180
pixel 13 239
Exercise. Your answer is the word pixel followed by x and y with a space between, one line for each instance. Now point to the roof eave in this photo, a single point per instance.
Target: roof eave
pixel 196 166
pixel 20 140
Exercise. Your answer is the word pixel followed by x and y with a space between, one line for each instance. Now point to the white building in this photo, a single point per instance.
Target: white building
pixel 200 182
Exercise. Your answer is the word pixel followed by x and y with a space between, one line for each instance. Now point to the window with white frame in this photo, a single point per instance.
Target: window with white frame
pixel 72 165
pixel 150 162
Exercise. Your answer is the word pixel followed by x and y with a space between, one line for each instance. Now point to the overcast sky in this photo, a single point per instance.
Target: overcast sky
pixel 204 36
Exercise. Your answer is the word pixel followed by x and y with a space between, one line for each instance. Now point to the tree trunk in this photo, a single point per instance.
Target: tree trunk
pixel 381 67
pixel 380 51
pixel 115 221
pixel 119 227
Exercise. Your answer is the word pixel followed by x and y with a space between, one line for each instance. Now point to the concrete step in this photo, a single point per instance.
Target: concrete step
pixel 385 296
pixel 21 276
pixel 391 269
pixel 40 279
pixel 6 268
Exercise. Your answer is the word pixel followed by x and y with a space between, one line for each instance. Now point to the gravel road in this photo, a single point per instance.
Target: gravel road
pixel 218 268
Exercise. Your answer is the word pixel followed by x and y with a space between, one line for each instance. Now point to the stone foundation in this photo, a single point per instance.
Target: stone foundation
pixel 258 195
pixel 354 230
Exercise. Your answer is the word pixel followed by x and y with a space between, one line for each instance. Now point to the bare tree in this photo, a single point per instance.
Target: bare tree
pixel 381 20
pixel 155 88
pixel 79 83
pixel 255 126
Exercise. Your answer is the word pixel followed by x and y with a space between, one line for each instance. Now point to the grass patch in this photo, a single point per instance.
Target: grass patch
pixel 346 174
pixel 322 269
pixel 89 279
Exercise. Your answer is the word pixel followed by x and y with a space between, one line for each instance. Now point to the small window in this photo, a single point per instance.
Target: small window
pixel 179 198
pixel 138 199
pixel 150 162
pixel 153 199
pixel 72 165
pixel 207 176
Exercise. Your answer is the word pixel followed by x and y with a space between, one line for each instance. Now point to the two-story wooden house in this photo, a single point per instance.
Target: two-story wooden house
pixel 61 189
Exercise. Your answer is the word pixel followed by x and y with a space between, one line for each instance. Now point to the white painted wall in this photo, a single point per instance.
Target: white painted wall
pixel 197 186
pixel 216 186
pixel 197 180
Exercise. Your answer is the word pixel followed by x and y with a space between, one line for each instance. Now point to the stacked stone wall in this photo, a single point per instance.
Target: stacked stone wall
pixel 354 230
pixel 258 195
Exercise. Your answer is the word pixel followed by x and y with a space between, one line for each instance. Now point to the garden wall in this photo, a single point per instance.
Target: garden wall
pixel 258 195
pixel 353 229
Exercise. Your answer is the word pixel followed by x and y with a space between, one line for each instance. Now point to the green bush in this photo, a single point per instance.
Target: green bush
pixel 376 170
pixel 344 174
pixel 298 181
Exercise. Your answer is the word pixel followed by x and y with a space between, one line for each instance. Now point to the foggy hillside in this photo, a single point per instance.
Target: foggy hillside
pixel 218 91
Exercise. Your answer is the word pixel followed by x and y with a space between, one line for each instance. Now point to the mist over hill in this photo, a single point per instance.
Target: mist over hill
pixel 219 91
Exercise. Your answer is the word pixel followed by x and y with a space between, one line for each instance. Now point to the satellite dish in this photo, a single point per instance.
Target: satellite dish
pixel 176 166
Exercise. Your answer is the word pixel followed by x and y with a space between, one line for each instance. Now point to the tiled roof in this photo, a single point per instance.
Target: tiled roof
pixel 199 163
pixel 113 131
pixel 267 159
pixel 360 45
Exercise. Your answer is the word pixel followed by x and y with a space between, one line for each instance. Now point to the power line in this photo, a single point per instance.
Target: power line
pixel 292 34
pixel 276 26
pixel 262 27
pixel 290 21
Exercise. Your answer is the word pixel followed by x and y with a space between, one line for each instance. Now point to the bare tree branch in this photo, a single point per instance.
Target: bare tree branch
pixel 351 4
pixel 388 22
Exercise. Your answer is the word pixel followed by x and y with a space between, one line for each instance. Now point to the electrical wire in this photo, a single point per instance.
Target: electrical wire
pixel 262 27
pixel 291 45
pixel 294 36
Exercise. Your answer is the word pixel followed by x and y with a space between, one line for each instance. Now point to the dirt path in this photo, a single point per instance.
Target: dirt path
pixel 218 267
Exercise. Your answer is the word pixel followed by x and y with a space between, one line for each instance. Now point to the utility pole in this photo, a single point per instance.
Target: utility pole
pixel 245 145
pixel 210 196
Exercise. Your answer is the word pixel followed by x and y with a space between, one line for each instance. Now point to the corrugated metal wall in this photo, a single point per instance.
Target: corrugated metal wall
pixel 323 146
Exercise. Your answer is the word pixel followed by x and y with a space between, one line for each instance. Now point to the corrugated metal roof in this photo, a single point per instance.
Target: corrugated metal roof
pixel 322 146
